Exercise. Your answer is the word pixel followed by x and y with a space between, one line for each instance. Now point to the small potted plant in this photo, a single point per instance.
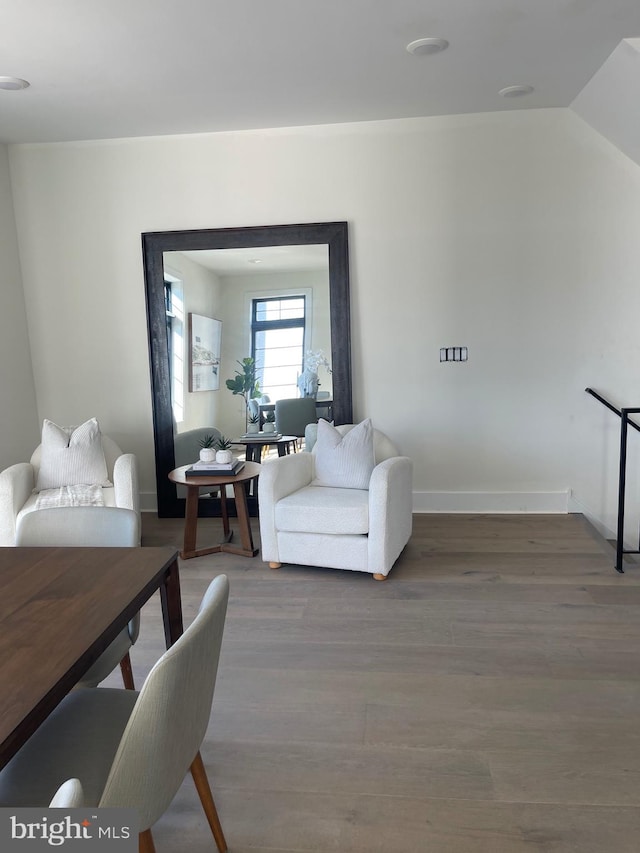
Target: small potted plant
pixel 208 451
pixel 254 424
pixel 269 422
pixel 245 383
pixel 224 454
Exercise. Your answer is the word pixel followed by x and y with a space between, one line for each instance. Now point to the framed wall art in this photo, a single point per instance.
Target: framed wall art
pixel 204 353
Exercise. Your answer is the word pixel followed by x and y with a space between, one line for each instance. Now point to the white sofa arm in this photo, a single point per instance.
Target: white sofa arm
pixel 390 512
pixel 125 484
pixel 278 478
pixel 16 484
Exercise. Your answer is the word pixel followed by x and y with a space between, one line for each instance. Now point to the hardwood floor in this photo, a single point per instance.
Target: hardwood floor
pixel 485 699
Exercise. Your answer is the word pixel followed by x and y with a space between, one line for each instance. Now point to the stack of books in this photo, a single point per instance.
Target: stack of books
pixel 260 436
pixel 211 469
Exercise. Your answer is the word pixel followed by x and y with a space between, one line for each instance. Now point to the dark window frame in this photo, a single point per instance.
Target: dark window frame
pixel 258 326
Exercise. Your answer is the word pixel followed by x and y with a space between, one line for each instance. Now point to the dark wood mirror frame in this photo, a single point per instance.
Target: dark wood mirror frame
pixel 155 244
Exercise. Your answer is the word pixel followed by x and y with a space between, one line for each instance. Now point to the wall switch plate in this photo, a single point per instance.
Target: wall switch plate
pixel 454 353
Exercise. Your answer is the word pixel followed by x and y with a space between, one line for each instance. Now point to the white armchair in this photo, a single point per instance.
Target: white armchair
pixel 17 485
pixel 362 530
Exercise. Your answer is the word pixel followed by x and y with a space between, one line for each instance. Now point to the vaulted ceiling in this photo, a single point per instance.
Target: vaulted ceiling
pixel 127 68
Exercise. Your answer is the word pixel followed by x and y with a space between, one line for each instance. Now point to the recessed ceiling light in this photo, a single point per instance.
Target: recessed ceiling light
pixel 425 47
pixel 515 91
pixel 13 83
pixel 255 261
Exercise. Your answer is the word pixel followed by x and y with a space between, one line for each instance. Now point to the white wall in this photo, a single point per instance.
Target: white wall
pixel 19 428
pixel 514 234
pixel 201 292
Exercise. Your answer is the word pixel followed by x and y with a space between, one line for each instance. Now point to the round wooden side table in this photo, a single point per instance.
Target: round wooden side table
pixel 250 472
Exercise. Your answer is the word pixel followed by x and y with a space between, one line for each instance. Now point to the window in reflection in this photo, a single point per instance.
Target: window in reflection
pixel 278 329
pixel 174 306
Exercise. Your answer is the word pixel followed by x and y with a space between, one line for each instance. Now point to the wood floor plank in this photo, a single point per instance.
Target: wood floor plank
pixel 321 823
pixel 349 769
pixel 582 775
pixel 483 700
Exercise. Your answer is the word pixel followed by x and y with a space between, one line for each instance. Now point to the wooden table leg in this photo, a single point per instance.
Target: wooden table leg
pixel 171 601
pixel 191 526
pixel 190 521
pixel 240 488
pixel 246 537
pixel 228 533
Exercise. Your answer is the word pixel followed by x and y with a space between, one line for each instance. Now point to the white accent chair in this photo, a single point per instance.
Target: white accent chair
pixel 363 530
pixel 18 482
pixel 128 749
pixel 90 526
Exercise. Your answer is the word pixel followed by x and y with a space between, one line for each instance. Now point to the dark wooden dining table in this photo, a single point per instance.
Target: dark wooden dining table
pixel 59 610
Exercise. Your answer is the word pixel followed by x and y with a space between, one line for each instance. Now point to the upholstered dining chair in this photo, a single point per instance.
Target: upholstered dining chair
pixel 68 796
pixel 293 415
pixel 92 526
pixel 132 749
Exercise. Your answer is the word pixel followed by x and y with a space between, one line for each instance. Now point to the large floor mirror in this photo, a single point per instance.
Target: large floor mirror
pixel 212 280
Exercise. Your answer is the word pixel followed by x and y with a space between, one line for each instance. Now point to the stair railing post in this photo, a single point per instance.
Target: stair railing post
pixel 622 482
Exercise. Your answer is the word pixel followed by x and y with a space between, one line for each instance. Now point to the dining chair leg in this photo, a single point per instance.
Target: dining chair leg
pixel 127 672
pixel 145 842
pixel 203 788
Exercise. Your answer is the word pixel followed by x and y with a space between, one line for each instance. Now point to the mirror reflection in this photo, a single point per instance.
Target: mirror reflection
pixel 271 304
pixel 276 294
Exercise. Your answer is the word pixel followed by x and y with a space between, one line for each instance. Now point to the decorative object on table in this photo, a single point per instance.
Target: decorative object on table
pixel 245 384
pixel 269 422
pixel 208 448
pixel 205 334
pixel 213 469
pixel 253 426
pixel 308 381
pixel 224 456
pixel 261 437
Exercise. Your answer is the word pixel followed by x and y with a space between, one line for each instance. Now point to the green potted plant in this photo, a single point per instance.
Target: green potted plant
pixel 224 454
pixel 208 451
pixel 245 383
pixel 254 424
pixel 269 422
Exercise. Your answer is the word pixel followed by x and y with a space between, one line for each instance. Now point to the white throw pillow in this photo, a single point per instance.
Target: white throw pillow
pixel 71 456
pixel 344 462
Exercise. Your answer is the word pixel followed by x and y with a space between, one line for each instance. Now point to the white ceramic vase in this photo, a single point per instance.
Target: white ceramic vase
pixel 253 428
pixel 269 426
pixel 207 454
pixel 224 456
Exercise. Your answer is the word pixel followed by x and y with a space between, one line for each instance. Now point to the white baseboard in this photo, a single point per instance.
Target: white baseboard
pixel 498 502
